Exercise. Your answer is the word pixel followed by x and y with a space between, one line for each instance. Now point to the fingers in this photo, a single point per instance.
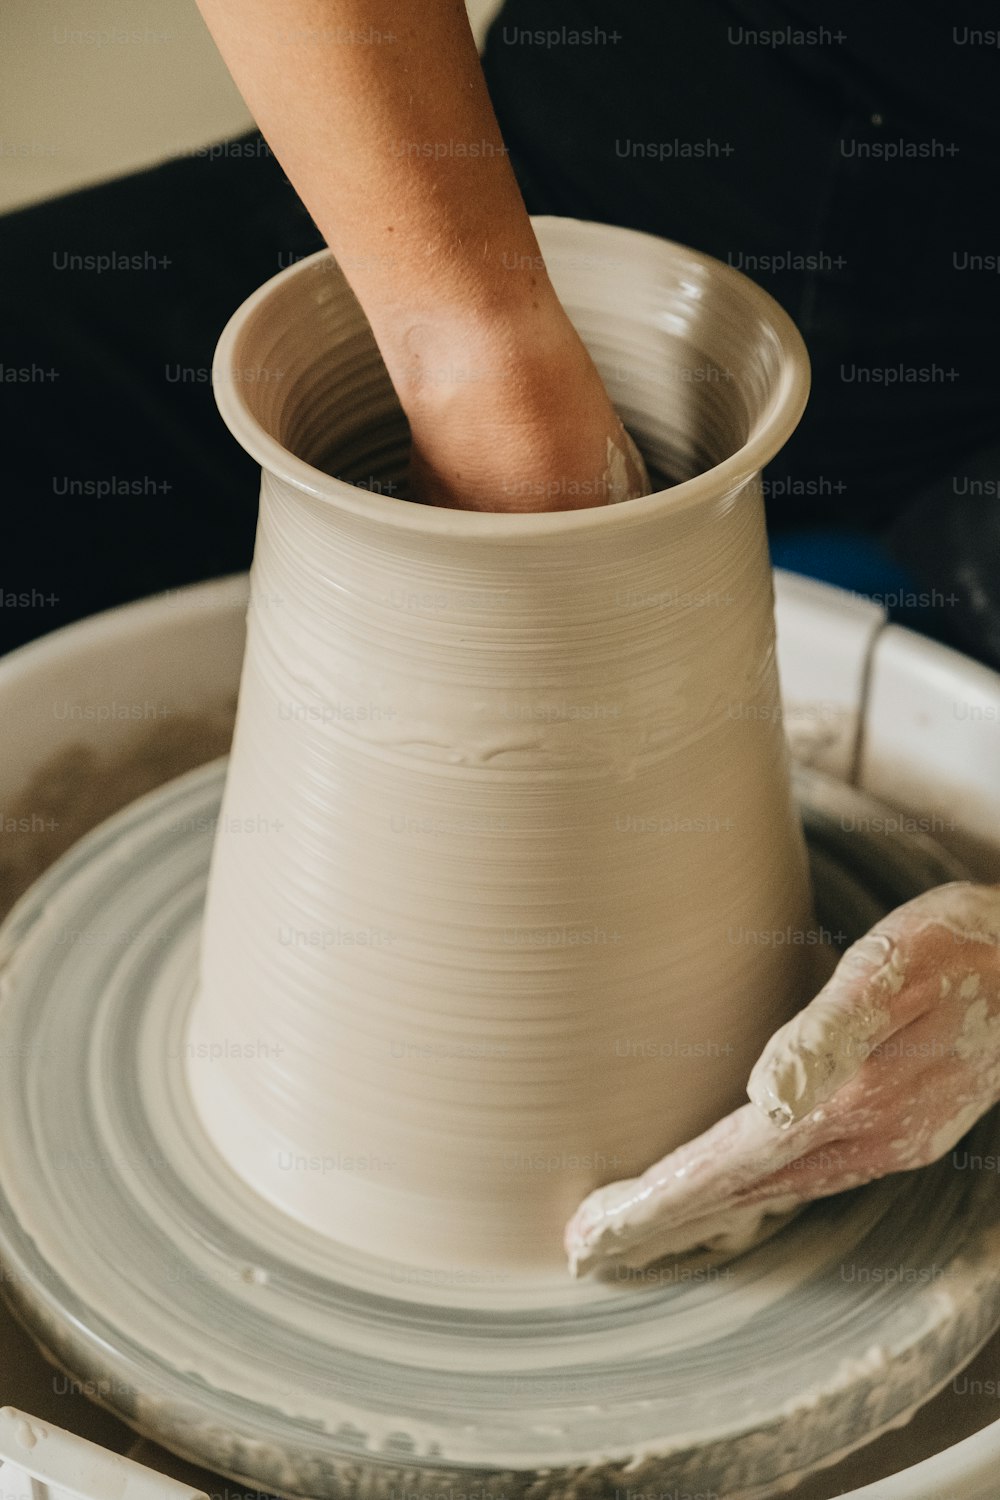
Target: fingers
pixel 885 981
pixel 915 1098
pixel 863 1003
pixel 686 1199
pixel 733 1229
pixel 626 474
pixel 819 1050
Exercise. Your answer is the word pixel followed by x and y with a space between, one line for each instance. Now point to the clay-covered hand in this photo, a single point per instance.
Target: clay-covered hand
pixel 516 423
pixel 885 1070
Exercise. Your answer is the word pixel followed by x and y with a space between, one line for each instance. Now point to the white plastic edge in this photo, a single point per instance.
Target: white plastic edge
pixel 41 1462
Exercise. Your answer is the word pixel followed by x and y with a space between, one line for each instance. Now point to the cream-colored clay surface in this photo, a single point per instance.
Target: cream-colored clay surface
pixel 248 1292
pixel 489 909
pixel 486 854
pixel 493 919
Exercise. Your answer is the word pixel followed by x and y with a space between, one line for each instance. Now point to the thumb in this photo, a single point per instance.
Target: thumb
pixel 819 1050
pixel 866 1000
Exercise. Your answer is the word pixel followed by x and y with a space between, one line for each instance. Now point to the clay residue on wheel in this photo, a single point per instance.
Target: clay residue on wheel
pixel 79 787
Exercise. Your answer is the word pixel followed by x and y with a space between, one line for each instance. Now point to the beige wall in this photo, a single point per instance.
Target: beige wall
pixel 93 88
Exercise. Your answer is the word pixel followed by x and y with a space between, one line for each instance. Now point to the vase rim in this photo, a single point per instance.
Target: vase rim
pixel 769 433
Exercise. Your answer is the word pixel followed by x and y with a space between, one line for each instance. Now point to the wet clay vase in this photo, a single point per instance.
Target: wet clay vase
pixel 508 874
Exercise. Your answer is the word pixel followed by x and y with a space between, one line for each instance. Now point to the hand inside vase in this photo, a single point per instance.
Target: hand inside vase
pixel 535 432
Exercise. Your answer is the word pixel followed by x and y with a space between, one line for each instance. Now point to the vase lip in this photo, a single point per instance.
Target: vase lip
pixel 771 431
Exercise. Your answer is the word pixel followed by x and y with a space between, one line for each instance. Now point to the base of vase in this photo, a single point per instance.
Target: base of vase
pixel 247 1342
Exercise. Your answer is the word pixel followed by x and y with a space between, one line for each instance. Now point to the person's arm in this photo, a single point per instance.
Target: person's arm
pixel 379 114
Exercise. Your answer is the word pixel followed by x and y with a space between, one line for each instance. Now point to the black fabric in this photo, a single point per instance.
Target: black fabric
pixel 949 537
pixel 120 478
pixel 853 175
pixel 864 250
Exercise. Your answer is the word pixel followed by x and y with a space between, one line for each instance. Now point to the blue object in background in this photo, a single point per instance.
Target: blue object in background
pixel 859 563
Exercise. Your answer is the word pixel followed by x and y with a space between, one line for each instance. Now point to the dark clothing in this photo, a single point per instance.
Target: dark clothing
pixel 848 171
pixel 121 478
pixel 863 250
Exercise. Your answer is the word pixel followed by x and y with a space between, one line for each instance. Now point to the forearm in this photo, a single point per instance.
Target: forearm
pixel 379 114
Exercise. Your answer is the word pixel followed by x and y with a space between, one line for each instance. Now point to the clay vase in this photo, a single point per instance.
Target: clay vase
pixel 506 895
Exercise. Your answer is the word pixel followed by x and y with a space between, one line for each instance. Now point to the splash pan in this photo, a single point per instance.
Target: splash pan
pixel 260 1349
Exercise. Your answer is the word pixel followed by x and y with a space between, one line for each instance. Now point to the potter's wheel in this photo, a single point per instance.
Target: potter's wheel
pixel 258 1348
